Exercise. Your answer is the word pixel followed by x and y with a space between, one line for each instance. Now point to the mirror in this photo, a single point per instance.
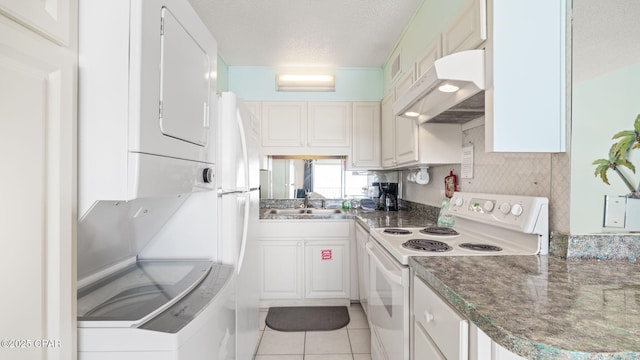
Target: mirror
pixel 605 100
pixel 289 177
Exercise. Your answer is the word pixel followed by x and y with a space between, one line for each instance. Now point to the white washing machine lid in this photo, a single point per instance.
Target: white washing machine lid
pixel 139 292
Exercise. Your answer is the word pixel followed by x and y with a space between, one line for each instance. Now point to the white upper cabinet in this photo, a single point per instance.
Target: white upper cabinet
pixel 50 18
pixel 305 128
pixel 406 130
pixel 329 124
pixel 526 76
pixel 468 30
pixel 283 124
pixel 432 53
pixel 365 152
pixel 388 128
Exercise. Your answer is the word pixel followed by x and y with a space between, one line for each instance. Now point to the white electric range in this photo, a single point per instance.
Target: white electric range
pixel 485 225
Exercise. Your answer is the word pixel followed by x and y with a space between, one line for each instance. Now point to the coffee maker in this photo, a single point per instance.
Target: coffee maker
pixel 388 200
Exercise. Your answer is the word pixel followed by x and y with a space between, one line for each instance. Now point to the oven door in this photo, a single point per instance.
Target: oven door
pixel 388 303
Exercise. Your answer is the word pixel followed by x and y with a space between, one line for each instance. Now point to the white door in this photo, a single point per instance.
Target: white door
pixel 184 84
pixel 38 156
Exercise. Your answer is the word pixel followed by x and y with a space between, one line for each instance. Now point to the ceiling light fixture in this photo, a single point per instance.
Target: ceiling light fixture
pixel 412 114
pixel 302 82
pixel 448 88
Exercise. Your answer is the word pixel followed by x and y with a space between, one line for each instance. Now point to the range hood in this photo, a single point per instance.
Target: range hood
pixel 451 91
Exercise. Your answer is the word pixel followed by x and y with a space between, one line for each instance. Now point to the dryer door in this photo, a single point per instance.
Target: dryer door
pixel 184 84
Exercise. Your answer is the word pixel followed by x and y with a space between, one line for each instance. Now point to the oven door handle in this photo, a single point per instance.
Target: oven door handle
pixel 390 271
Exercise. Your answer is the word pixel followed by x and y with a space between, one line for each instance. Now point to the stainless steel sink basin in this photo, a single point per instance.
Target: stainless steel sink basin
pixel 288 211
pixel 324 211
pixel 306 211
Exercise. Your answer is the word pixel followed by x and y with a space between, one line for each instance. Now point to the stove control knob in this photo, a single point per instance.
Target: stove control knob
pixel 504 208
pixel 516 210
pixel 488 206
pixel 458 202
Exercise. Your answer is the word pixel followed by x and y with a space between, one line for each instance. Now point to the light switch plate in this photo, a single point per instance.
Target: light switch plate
pixel 614 212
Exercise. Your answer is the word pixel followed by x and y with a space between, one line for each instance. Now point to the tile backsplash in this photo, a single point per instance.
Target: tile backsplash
pixel 530 174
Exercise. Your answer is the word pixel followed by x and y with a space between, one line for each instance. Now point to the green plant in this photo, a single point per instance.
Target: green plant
pixel 618 156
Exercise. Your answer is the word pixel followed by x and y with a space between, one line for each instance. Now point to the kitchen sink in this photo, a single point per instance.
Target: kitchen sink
pixel 305 211
pixel 324 211
pixel 288 211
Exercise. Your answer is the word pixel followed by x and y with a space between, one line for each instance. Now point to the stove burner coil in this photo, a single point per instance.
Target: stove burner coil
pixel 480 247
pixel 427 245
pixel 439 230
pixel 393 231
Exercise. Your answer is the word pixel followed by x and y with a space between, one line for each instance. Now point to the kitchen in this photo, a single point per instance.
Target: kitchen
pixel 566 178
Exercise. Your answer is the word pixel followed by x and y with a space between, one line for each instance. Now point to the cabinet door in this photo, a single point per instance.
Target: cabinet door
pixel 326 269
pixel 467 30
pixel 406 129
pixel 406 140
pixel 514 30
pixel 366 136
pixel 52 19
pixel 38 156
pixel 329 124
pixel 281 264
pixel 283 124
pixel 388 128
pixel 428 57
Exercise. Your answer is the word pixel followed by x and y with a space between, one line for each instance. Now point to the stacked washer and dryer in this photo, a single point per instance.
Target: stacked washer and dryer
pixel 155 279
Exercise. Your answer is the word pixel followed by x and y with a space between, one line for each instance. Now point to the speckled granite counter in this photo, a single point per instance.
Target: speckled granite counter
pixel 543 307
pixel 371 219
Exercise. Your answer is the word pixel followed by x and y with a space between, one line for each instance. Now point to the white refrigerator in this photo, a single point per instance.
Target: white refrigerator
pixel 238 184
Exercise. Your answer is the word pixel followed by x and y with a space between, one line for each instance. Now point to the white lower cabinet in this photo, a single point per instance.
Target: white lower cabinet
pixel 481 347
pixel 326 269
pixel 423 346
pixel 439 332
pixel 305 260
pixel 446 333
pixel 281 264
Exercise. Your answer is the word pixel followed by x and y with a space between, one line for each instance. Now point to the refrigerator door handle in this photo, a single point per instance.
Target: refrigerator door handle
pixel 245 229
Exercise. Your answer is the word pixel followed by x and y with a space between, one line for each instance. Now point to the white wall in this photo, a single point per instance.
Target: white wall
pixel 352 84
pixel 602 107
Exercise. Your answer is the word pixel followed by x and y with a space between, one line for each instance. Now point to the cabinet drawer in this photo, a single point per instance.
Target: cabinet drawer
pixel 449 330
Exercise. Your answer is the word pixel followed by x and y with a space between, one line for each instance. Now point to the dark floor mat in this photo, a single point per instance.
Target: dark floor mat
pixel 307 318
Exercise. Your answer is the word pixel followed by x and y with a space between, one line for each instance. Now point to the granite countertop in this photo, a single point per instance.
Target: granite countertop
pixel 371 219
pixel 543 307
pixel 540 307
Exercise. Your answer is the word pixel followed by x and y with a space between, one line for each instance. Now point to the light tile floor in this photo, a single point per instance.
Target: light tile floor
pixel 352 342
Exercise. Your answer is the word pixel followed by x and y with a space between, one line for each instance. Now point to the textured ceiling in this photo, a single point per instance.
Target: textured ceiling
pixel 318 33
pixel 606 36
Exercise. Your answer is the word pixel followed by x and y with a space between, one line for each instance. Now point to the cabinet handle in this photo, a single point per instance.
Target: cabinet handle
pixel 428 317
